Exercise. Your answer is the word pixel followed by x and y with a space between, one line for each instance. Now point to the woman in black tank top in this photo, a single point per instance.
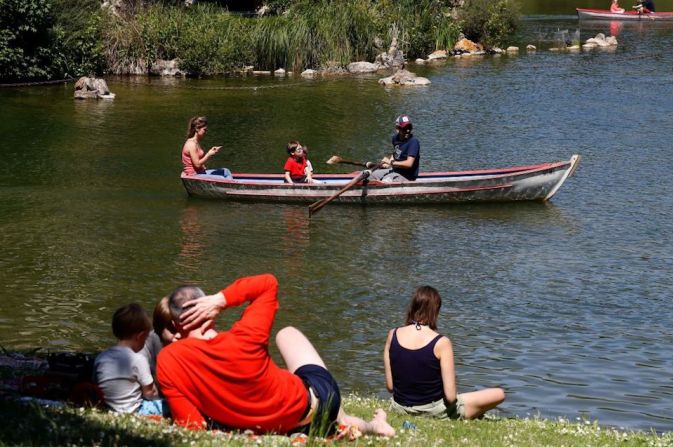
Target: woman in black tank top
pixel 419 366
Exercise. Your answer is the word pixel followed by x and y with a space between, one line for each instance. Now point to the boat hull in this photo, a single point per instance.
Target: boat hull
pixel 537 182
pixel 603 14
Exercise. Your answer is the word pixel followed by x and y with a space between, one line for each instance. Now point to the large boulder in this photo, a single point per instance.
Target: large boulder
pixel 437 55
pixel 404 78
pixel 309 73
pixel 393 58
pixel 362 67
pixel 92 88
pixel 466 45
pixel 163 67
pixel 333 68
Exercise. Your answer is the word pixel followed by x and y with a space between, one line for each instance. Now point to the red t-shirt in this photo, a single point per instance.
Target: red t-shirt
pixel 295 167
pixel 231 378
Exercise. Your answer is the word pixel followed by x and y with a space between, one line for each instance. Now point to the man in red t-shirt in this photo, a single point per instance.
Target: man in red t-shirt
pixel 229 377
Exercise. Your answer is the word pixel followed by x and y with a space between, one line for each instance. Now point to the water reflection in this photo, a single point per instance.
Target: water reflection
pixel 616 27
pixel 193 242
pixel 295 242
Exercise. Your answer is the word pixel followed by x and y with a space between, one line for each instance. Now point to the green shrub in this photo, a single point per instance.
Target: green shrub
pixel 124 49
pixel 490 22
pixel 278 6
pixel 212 42
pixel 321 33
pixel 26 40
pixel 422 25
pixel 78 37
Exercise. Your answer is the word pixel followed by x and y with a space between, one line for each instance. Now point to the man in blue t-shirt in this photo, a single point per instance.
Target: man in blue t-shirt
pixel 403 164
pixel 645 6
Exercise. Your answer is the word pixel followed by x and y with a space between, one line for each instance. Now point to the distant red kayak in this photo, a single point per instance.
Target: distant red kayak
pixel 604 14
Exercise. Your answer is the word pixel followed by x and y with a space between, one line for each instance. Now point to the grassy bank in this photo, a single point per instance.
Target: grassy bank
pixel 72 426
pixel 54 39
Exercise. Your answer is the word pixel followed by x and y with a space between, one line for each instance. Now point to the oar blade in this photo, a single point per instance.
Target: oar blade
pixel 334 159
pixel 317 206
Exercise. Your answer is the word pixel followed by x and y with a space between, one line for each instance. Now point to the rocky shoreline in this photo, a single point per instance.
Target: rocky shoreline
pixel 391 61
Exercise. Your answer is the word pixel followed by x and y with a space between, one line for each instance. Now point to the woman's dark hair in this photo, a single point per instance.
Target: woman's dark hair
pixel 424 307
pixel 196 122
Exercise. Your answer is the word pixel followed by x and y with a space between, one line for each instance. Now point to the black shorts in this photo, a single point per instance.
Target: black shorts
pixel 298 179
pixel 327 391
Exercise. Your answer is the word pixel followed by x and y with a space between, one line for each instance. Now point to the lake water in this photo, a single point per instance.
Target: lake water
pixel 565 304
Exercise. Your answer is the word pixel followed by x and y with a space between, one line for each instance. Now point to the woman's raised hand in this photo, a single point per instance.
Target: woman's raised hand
pixel 214 150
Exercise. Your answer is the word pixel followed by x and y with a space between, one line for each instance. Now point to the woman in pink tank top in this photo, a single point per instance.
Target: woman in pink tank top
pixel 420 370
pixel 614 7
pixel 193 157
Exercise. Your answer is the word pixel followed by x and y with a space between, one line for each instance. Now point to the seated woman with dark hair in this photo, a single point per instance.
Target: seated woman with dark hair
pixel 420 370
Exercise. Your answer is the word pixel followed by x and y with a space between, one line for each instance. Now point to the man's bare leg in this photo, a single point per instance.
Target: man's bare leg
pixel 298 351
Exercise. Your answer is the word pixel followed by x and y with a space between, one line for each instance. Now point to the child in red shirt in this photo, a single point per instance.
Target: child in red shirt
pixel 296 164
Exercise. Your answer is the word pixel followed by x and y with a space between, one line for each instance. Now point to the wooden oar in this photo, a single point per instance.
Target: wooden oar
pixel 317 206
pixel 335 159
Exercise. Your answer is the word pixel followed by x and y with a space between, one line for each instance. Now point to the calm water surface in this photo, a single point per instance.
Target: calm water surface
pixel 566 304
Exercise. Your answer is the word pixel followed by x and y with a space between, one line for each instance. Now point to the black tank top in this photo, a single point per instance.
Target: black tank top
pixel 417 376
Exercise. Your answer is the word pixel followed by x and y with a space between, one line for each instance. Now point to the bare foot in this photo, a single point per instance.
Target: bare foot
pixel 380 424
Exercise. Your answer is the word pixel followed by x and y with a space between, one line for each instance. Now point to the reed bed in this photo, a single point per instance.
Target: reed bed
pixel 209 40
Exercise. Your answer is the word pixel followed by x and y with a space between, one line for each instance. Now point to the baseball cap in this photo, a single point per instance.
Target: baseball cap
pixel 403 121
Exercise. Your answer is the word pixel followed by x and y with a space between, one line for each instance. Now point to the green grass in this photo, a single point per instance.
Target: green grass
pixel 33 425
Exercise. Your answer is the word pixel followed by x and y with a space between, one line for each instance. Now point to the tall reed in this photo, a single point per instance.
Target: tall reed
pixel 315 34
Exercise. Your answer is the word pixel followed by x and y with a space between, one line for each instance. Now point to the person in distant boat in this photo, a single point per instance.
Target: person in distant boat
pixel 229 377
pixel 614 7
pixel 420 370
pixel 404 163
pixel 309 167
pixel 645 7
pixel 296 166
pixel 193 156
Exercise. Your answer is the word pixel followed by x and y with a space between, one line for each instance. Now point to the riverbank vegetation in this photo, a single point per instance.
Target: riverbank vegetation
pixel 34 425
pixel 54 39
